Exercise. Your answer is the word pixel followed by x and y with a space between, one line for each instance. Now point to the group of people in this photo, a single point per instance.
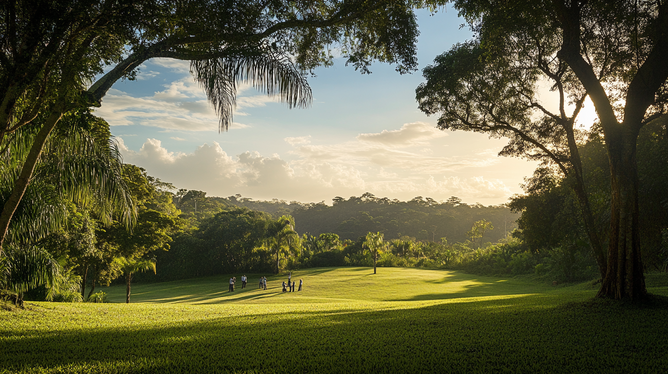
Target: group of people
pixel 233 280
pixel 289 287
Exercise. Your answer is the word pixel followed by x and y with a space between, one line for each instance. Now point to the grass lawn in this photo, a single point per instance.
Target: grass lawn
pixel 346 320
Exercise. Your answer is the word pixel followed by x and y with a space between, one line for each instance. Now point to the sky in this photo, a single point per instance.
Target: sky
pixel 362 133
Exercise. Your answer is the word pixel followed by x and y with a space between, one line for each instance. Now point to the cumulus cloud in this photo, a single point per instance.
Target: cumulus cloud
pixel 319 172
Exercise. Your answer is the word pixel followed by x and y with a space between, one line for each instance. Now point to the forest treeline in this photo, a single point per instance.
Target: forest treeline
pixel 180 233
pixel 422 218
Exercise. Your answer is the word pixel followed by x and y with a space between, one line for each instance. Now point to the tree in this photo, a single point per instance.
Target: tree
pixel 129 266
pixel 282 238
pixel 54 53
pixel 478 230
pixel 80 164
pixel 25 269
pixel 374 244
pixel 612 52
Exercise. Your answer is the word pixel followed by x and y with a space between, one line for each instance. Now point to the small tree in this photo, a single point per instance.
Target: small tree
pixel 131 266
pixel 374 243
pixel 26 268
pixel 282 238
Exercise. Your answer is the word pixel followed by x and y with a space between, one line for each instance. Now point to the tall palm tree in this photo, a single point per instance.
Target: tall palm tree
pixel 128 267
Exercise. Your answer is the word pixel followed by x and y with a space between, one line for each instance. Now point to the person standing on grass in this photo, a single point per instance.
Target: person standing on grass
pixel 243 281
pixel 232 284
pixel 284 286
pixel 293 286
pixel 265 283
pixel 301 282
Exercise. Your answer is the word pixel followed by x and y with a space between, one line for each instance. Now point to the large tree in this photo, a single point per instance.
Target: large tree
pixel 61 55
pixel 614 52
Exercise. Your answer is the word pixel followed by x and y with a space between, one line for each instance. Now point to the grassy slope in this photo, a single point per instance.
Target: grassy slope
pixel 346 320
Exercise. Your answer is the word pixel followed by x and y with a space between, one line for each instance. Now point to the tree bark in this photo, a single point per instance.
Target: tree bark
pixel 92 288
pixel 83 283
pixel 128 281
pixel 278 262
pixel 624 278
pixel 375 259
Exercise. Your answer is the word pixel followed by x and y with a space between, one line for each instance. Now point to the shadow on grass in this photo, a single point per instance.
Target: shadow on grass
pixel 525 334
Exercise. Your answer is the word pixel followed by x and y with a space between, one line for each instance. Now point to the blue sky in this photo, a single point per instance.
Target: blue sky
pixel 363 133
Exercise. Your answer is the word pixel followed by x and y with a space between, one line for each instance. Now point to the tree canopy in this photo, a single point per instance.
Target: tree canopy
pixel 64 55
pixel 613 52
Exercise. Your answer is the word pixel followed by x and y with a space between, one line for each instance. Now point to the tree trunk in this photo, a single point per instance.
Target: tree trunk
pixel 21 184
pixel 92 289
pixel 375 259
pixel 278 262
pixel 624 278
pixel 128 281
pixel 585 208
pixel 83 283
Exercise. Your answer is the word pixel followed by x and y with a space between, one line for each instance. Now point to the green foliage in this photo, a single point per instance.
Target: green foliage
pixel 25 268
pixel 98 297
pixel 420 218
pixel 551 219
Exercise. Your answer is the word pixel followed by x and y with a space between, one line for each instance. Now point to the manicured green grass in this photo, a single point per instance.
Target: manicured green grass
pixel 346 320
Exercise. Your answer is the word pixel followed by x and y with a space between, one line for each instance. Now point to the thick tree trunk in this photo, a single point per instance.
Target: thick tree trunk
pixel 624 277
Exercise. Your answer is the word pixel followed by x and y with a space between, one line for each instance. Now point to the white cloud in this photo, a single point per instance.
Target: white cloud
pixel 298 140
pixel 410 134
pixel 319 172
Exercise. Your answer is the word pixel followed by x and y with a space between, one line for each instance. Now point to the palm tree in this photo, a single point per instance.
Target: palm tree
pixel 25 269
pixel 76 165
pixel 131 266
pixel 374 244
pixel 281 238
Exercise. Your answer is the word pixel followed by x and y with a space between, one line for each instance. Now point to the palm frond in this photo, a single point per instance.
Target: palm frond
pixel 264 70
pixel 28 267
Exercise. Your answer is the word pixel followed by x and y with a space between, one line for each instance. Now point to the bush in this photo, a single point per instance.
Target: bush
pixel 68 297
pixel 98 297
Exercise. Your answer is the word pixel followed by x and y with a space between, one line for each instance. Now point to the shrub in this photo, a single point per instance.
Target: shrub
pixel 68 296
pixel 98 297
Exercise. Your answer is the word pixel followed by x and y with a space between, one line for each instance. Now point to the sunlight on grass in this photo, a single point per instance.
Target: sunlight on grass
pixel 346 320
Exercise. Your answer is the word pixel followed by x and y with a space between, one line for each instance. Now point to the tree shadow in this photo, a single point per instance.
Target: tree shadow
pixel 522 334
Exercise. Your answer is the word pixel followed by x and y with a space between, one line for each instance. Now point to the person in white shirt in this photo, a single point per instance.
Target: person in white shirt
pixel 243 281
pixel 231 284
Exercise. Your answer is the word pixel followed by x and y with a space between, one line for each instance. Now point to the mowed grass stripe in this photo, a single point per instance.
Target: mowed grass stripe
pixel 525 328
